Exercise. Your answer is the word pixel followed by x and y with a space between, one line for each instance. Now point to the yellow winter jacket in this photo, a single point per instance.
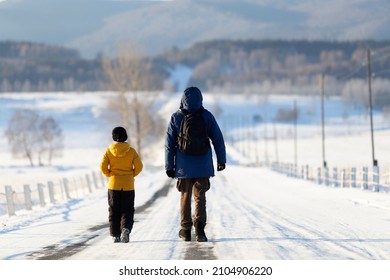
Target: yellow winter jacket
pixel 121 163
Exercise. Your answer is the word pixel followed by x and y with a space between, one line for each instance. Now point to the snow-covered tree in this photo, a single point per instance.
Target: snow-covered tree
pixel 31 136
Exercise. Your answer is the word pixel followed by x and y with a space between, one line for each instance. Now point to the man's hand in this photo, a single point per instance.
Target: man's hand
pixel 221 166
pixel 170 173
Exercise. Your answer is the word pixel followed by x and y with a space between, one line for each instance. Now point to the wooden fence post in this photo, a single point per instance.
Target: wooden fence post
pixel 41 194
pixel 88 180
pixel 10 201
pixel 95 180
pixel 65 183
pixel 50 186
pixel 27 197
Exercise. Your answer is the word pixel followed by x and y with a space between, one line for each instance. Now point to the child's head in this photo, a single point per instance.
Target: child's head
pixel 119 134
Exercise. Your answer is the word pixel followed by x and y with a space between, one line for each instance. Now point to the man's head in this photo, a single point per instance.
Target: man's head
pixel 192 99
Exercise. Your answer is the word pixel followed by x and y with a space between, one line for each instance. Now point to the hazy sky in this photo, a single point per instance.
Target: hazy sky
pixel 91 25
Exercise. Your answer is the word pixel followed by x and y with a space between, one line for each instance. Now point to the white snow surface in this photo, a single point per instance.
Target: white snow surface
pixel 253 213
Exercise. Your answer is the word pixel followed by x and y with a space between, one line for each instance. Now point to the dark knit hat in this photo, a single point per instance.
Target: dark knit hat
pixel 119 134
pixel 192 90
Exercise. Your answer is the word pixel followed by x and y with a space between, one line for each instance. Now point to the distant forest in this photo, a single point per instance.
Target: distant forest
pixel 225 65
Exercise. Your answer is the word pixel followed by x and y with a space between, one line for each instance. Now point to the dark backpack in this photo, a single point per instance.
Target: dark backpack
pixel 193 138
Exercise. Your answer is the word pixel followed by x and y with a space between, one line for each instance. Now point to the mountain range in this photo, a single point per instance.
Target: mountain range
pixel 99 26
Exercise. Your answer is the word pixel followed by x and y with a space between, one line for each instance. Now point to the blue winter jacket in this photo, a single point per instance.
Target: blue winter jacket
pixel 188 166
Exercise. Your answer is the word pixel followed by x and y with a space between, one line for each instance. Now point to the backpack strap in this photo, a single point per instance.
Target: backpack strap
pixel 185 112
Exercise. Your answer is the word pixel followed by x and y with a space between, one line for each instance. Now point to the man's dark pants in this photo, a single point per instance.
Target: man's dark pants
pixel 198 187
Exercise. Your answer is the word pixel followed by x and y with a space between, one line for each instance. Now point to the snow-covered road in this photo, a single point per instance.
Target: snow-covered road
pixel 253 213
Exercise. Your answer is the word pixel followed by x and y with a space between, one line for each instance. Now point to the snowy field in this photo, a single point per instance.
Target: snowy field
pixel 253 212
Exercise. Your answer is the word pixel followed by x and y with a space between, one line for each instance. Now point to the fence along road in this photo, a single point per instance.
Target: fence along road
pixel 51 192
pixel 353 177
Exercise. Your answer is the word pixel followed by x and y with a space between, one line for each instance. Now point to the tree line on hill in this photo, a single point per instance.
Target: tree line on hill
pixel 219 65
pixel 26 66
pixel 225 64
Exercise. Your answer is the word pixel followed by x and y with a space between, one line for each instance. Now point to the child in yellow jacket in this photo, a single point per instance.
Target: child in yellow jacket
pixel 120 163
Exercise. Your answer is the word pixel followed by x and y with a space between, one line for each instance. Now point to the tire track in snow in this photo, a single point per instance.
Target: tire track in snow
pixel 154 236
pixel 75 244
pixel 158 232
pixel 166 239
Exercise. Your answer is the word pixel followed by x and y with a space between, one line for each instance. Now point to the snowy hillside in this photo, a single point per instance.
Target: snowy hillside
pixel 253 213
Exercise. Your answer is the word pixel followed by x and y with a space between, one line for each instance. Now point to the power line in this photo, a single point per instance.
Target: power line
pixel 380 58
pixel 348 75
pixel 384 49
pixel 381 72
pixel 379 54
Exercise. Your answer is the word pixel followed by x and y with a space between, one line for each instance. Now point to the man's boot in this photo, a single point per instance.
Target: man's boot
pixel 185 234
pixel 199 231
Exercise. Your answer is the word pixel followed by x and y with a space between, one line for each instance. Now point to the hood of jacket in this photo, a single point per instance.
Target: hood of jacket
pixel 192 99
pixel 119 149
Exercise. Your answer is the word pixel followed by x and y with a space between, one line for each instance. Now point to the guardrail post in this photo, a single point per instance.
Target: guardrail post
pixel 335 177
pixel 327 181
pixel 365 178
pixel 319 175
pixel 375 178
pixel 343 178
pixel 353 177
pixel 307 175
pixel 27 197
pixel 10 201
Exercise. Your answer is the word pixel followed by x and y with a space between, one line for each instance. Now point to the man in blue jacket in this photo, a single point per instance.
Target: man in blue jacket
pixel 193 171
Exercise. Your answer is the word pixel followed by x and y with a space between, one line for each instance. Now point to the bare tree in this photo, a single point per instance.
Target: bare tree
pixel 31 135
pixel 51 137
pixel 128 74
pixel 21 134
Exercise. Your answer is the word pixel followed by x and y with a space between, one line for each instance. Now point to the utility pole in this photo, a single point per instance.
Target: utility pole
pixel 266 134
pixel 276 144
pixel 295 134
pixel 323 119
pixel 374 161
